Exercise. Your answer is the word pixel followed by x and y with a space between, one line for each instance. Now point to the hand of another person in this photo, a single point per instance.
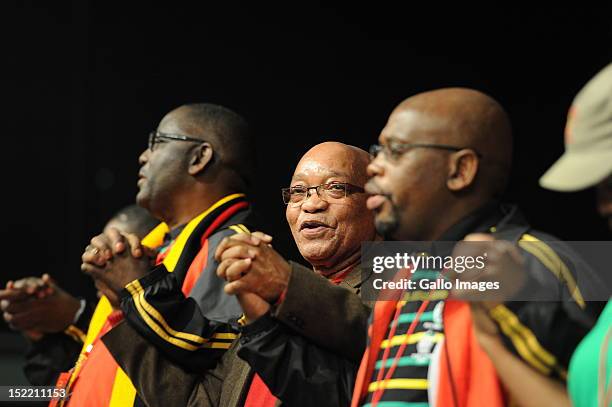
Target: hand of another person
pixel 37 306
pixel 122 267
pixel 250 264
pixel 104 246
pixel 503 264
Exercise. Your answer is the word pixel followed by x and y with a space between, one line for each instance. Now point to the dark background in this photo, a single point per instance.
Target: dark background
pixel 85 82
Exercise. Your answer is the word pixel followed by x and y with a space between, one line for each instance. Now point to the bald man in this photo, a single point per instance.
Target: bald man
pixel 193 176
pixel 442 163
pixel 285 338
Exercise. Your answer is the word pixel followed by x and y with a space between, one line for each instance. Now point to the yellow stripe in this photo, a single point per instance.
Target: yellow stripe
pixel 225 335
pixel 175 337
pixel 508 327
pixel 531 339
pixel 155 314
pixel 124 392
pixel 155 238
pixel 160 332
pixel 413 384
pixel 420 295
pixel 177 248
pixel 246 230
pixel 236 229
pixel 553 262
pixel 414 338
pixel 218 345
pixel 103 310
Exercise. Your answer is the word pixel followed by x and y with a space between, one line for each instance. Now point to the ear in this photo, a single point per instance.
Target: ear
pixel 202 156
pixel 462 170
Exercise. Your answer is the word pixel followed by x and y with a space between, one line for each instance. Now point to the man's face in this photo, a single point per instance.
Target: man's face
pixel 604 200
pixel 163 171
pixel 408 186
pixel 328 231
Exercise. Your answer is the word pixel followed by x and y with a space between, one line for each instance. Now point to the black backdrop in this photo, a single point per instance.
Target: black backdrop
pixel 83 83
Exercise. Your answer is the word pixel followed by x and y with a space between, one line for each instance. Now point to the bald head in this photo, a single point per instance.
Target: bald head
pixel 446 153
pixel 463 118
pixel 328 229
pixel 335 157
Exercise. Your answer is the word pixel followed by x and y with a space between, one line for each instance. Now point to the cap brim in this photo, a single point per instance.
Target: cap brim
pixel 577 170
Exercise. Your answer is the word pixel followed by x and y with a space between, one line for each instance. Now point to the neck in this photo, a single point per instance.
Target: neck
pixel 452 216
pixel 345 264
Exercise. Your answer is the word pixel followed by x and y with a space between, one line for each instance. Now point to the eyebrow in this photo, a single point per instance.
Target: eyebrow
pixel 393 138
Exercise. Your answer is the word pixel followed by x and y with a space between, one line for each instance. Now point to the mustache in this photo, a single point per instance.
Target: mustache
pixel 373 189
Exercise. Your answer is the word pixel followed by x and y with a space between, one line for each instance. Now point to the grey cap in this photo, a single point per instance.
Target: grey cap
pixel 588 138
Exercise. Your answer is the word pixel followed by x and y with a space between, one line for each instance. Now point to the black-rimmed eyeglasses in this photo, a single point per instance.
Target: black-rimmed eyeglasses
pixel 326 192
pixel 394 150
pixel 156 136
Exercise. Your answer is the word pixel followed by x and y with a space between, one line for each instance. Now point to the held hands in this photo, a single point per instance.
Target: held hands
pixel 26 303
pixel 503 266
pixel 256 273
pixel 114 259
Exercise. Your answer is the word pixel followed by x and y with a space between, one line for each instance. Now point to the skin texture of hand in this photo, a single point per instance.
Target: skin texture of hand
pixel 118 272
pixel 113 260
pixel 253 306
pixel 503 264
pixel 26 304
pixel 250 264
pixel 104 246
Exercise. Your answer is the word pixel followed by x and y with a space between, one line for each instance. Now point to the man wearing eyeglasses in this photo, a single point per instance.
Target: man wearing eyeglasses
pixel 439 171
pixel 292 311
pixel 193 177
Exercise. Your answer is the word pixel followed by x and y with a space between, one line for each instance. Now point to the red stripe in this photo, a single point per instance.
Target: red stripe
pixel 222 218
pixel 195 269
pixel 198 264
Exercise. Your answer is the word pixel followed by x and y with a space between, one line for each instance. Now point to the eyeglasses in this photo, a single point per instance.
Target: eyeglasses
pixel 333 190
pixel 394 150
pixel 156 136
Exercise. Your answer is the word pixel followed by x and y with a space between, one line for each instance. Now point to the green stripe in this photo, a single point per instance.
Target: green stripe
pixel 397 404
pixel 405 361
pixel 409 317
pixel 425 275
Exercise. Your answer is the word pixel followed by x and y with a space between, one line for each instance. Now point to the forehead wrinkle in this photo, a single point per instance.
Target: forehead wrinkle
pixel 310 168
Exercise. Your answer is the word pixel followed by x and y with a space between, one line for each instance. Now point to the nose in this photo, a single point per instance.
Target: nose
pixel 144 157
pixel 375 167
pixel 313 203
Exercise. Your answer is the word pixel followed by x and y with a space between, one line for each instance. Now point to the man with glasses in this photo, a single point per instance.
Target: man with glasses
pixel 289 309
pixel 442 164
pixel 193 177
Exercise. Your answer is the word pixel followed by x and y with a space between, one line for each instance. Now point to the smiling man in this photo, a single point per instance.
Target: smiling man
pixel 287 343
